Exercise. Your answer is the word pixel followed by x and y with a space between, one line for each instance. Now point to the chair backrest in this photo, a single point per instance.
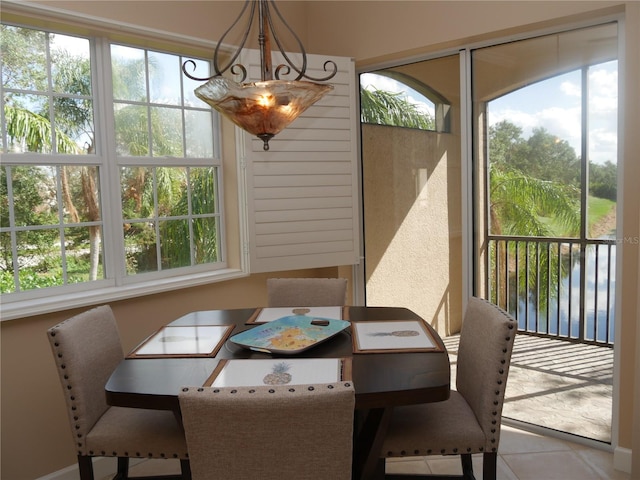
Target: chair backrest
pixel 306 292
pixel 87 349
pixel 484 356
pixel 269 432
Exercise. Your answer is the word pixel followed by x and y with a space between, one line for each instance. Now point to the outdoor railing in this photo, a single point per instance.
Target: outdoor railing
pixel 555 287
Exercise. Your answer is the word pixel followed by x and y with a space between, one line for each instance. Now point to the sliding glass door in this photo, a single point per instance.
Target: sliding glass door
pixel 545 153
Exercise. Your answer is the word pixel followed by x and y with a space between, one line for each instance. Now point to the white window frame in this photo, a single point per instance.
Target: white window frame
pixel 116 285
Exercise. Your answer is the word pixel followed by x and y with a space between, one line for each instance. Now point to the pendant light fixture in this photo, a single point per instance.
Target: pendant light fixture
pixel 266 107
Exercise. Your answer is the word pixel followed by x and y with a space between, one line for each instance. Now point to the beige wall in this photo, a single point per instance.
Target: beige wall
pixel 35 434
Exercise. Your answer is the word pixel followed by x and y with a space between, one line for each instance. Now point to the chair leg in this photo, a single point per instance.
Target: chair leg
pixel 185 468
pixel 123 469
pixel 467 466
pixel 85 467
pixel 489 465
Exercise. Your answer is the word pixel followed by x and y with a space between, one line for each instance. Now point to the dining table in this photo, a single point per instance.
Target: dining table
pixel 383 377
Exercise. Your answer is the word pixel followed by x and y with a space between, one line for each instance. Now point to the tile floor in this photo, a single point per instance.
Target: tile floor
pixel 523 456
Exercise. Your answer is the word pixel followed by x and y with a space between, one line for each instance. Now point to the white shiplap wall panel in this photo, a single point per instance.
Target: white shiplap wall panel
pixel 307 192
pixel 302 194
pixel 285 181
pixel 304 226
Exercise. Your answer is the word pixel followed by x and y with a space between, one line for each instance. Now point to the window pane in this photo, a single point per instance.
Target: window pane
pixel 83 254
pixel 174 244
pixel 81 194
pixel 43 258
pixel 143 128
pixel 137 192
pixel 39 259
pixel 34 195
pixel 74 120
pixel 205 236
pixel 171 191
pixel 201 70
pixel 140 247
pixel 128 73
pixel 203 190
pixel 534 164
pixel 386 100
pixel 71 64
pixel 132 130
pixel 24 59
pixel 64 89
pixel 171 197
pixel 199 132
pixel 7 283
pixel 164 78
pixel 166 127
pixel 28 123
pixel 603 149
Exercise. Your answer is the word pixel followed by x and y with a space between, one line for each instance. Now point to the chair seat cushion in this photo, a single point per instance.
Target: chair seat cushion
pixel 439 428
pixel 134 432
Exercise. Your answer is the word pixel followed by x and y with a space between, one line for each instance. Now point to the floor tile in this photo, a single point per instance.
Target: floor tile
pixel 513 440
pixel 407 465
pixel 566 465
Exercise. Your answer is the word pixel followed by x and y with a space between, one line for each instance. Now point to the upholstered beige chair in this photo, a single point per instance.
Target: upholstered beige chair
pixel 306 292
pixel 87 349
pixel 301 432
pixel 469 421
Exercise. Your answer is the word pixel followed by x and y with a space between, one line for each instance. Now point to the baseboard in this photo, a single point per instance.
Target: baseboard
pixel 103 467
pixel 622 459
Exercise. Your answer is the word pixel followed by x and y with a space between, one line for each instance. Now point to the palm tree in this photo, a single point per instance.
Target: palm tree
pixel 387 108
pixel 524 205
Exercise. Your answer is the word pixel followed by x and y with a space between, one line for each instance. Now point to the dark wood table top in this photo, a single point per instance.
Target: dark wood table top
pixel 380 379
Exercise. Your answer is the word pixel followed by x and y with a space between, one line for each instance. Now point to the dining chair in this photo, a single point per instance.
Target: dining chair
pixel 306 292
pixel 469 421
pixel 87 349
pixel 279 432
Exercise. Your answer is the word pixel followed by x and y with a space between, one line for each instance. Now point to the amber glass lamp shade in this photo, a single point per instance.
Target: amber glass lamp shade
pixel 261 108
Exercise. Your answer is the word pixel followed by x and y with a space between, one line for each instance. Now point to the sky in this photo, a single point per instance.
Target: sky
pixel 553 104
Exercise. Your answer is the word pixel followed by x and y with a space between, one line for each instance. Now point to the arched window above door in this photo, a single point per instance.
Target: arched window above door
pixel 393 98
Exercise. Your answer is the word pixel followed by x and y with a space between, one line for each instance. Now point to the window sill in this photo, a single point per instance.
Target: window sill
pixel 11 310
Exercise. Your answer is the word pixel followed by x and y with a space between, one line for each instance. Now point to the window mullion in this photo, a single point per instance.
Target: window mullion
pixel 113 247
